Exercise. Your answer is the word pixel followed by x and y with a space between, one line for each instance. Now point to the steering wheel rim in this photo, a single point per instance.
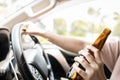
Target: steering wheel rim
pixel 22 63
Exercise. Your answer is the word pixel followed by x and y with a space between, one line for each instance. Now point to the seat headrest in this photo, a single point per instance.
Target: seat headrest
pixel 4 42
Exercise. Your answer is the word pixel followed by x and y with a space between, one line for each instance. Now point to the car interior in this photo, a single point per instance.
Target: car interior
pixel 34 61
pixel 24 57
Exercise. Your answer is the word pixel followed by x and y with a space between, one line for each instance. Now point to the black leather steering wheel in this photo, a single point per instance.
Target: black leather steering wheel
pixel 32 63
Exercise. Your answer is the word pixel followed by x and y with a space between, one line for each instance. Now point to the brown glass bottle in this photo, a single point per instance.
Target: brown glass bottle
pixel 99 42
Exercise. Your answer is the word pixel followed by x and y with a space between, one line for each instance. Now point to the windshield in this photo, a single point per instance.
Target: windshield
pixel 85 20
pixel 82 20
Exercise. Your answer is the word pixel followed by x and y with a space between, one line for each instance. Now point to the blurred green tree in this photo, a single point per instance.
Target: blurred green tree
pixel 116 30
pixel 60 26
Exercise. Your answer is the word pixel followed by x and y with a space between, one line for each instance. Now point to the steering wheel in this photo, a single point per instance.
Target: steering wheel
pixel 32 63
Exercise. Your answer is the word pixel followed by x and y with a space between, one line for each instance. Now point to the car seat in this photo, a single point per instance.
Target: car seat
pixel 4 50
pixel 4 42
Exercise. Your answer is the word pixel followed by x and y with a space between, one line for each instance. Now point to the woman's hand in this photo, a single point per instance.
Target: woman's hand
pixel 32 32
pixel 93 65
pixel 29 28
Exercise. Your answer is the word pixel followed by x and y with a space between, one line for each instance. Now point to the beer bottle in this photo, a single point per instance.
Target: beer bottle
pixel 99 42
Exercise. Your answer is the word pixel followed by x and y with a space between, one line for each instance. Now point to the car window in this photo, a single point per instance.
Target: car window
pixel 85 20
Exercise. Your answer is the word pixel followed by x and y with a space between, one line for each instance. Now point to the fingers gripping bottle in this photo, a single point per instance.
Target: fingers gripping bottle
pixel 99 42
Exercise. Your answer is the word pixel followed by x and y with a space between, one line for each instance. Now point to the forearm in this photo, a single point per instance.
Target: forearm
pixel 65 42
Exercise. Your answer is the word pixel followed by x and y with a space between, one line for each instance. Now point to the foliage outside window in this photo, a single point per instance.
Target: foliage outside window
pixel 81 28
